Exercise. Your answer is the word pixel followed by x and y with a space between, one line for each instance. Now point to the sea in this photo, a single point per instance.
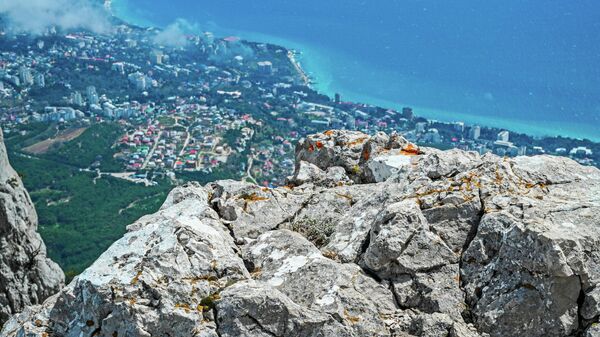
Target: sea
pixel 529 66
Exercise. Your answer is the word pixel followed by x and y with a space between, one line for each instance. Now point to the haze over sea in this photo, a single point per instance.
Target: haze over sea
pixel 529 66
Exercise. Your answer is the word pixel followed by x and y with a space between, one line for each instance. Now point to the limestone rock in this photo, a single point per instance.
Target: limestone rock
pixel 291 264
pixel 309 173
pixel 406 323
pixel 27 276
pixel 383 156
pixel 365 159
pixel 160 278
pixel 591 304
pixel 333 148
pixel 593 331
pixel 250 309
pixel 252 210
pixel 306 173
pixel 535 250
pixel 319 217
pixel 433 291
pixel 437 164
pixel 444 243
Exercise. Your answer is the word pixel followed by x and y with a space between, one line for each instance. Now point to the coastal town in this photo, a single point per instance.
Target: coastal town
pixel 102 126
pixel 206 107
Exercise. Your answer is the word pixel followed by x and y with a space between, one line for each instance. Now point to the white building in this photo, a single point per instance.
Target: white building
pixel 157 56
pixel 433 136
pixel 503 136
pixel 92 96
pixel 25 76
pixel 475 132
pixel 119 67
pixel 581 151
pixel 139 80
pixel 77 99
pixel 265 67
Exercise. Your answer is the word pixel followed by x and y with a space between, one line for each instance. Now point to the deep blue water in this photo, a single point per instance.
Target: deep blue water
pixel 531 66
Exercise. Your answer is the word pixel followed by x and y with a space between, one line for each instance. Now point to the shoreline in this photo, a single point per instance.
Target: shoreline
pixel 299 69
pixel 315 76
pixel 529 128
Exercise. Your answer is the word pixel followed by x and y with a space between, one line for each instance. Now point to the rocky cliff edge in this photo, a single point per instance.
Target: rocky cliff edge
pixel 27 276
pixel 374 236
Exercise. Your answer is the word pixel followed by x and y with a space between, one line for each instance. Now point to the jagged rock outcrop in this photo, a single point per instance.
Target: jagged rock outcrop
pixel 27 276
pixel 374 236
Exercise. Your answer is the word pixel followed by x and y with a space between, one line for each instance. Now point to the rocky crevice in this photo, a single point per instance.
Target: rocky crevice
pixel 467 313
pixel 584 324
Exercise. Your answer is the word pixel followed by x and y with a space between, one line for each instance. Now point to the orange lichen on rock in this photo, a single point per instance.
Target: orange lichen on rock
pixel 410 150
pixel 498 179
pixel 319 145
pixel 209 278
pixel 351 319
pixel 184 306
pixel 256 272
pixel 253 197
pixel 358 141
pixel 330 255
pixel 329 133
pixel 136 278
pixel 366 154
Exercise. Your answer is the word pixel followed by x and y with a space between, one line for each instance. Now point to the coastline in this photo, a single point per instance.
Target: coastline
pixel 301 72
pixel 530 128
pixel 314 68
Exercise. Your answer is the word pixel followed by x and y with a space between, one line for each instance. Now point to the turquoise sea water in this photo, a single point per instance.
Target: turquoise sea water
pixel 529 66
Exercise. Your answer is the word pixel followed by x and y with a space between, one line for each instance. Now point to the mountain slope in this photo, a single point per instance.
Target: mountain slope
pixel 373 237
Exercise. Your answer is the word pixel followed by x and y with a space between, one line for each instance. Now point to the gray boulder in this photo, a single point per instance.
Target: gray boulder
pixel 533 264
pixel 310 173
pixel 294 266
pixel 333 148
pixel 161 278
pixel 251 309
pixel 250 210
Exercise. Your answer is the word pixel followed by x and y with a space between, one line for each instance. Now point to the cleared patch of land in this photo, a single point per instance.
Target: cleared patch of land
pixel 65 136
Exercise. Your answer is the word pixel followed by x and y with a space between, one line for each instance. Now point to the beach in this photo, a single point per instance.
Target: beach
pixel 301 72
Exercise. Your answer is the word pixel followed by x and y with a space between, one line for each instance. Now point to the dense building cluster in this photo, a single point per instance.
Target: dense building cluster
pixel 209 106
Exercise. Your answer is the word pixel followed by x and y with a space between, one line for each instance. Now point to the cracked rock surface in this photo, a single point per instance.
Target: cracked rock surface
pixel 374 236
pixel 27 276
